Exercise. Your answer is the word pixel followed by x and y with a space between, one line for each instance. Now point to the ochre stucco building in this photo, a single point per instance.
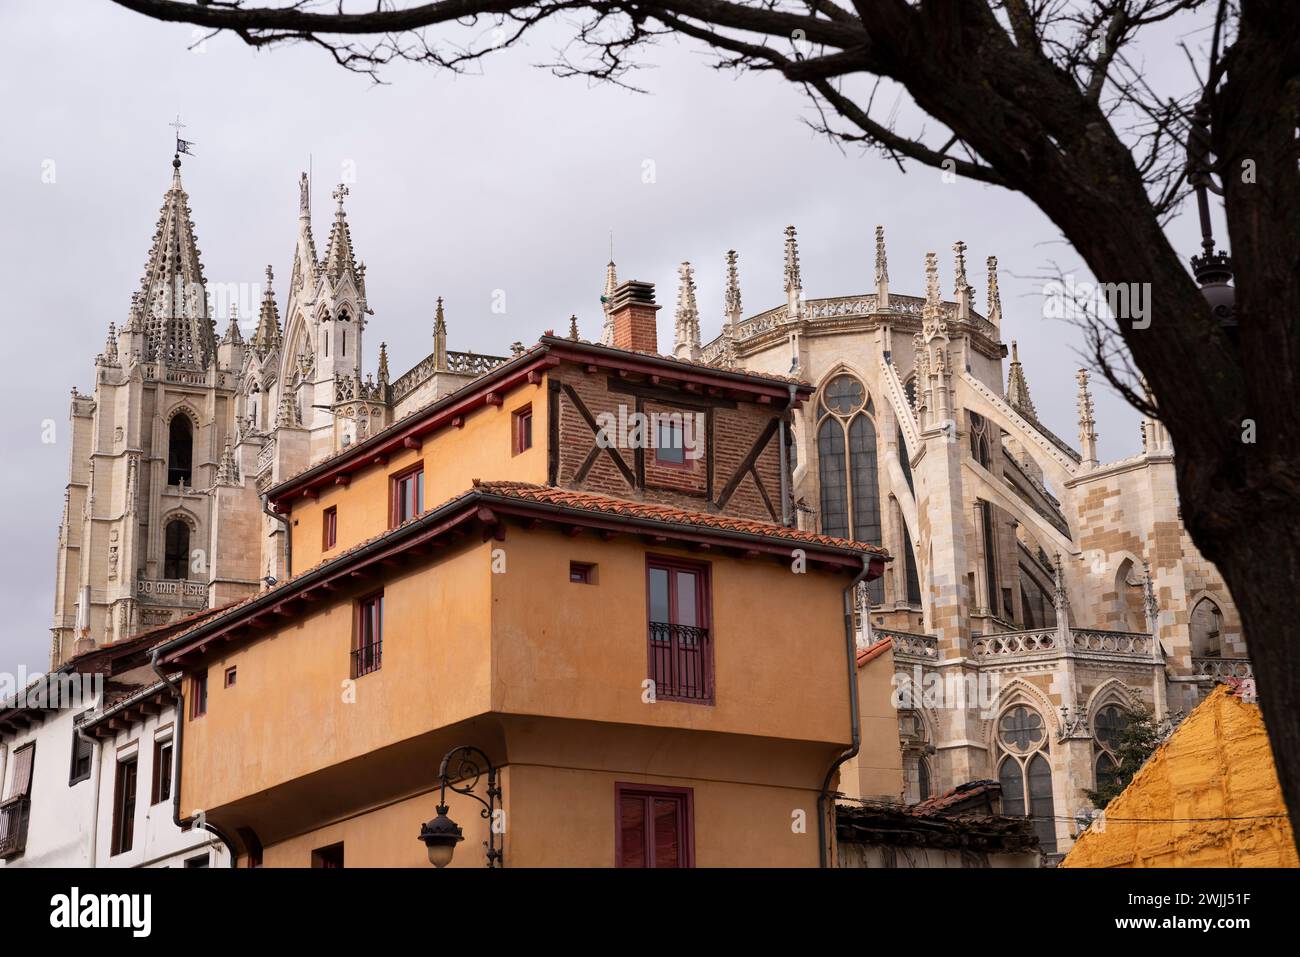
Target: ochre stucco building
pixel 1208 797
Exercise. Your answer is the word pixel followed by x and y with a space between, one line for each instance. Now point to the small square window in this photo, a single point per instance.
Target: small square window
pixel 670 445
pixel 582 573
pixel 523 429
pixel 231 676
pixel 329 528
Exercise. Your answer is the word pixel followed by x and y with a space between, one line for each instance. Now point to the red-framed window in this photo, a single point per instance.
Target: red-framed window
pixel 199 695
pixel 656 826
pixel 329 527
pixel 405 495
pixel 522 423
pixel 124 789
pixel 368 647
pixel 582 573
pixel 232 676
pixel 680 645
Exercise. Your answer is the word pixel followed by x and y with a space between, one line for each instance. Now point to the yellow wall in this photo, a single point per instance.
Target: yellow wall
pixel 566 817
pixel 287 715
pixel 389 836
pixel 575 650
pixel 877 770
pixel 1216 765
pixel 452 459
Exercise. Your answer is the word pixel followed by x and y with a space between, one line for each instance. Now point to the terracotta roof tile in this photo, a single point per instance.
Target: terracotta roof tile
pixel 550 495
pixel 872 652
pixel 958 795
pixel 692 363
pixel 653 511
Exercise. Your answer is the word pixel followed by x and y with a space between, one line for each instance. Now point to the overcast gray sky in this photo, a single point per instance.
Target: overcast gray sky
pixel 510 180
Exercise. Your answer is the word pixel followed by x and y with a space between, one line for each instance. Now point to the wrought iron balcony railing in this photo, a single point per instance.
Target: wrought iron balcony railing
pixel 680 659
pixel 367 658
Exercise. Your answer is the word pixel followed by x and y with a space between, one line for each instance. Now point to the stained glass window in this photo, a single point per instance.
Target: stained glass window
pixel 1021 729
pixel 846 446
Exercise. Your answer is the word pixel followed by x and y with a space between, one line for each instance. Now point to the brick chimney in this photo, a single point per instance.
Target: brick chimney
pixel 633 314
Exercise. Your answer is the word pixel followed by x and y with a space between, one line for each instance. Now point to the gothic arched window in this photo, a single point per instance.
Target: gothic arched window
pixel 846 449
pixel 1206 627
pixel 981 446
pixel 176 550
pixel 1025 773
pixel 1107 728
pixel 180 450
pixel 1129 598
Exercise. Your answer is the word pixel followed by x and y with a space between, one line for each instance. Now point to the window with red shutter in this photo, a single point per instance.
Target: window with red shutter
pixel 655 827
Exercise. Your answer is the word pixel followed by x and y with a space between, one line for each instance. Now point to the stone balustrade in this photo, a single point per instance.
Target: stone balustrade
pixel 1223 667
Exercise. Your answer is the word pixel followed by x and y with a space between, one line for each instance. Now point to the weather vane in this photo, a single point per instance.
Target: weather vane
pixel 182 146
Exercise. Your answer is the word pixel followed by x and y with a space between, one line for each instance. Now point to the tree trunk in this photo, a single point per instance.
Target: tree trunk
pixel 1262 567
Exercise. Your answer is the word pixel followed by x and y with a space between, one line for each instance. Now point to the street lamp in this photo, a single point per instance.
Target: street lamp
pixel 441 834
pixel 1213 269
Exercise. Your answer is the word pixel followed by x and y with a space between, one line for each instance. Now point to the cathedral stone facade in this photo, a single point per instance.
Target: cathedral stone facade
pixel 1037 596
pixel 184 431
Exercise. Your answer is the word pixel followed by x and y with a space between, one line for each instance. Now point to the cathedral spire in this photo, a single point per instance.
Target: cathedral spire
pixel 228 467
pixel 439 337
pixel 233 336
pixel 932 308
pixel 962 290
pixel 1018 388
pixel 304 254
pixel 732 311
pixel 573 327
pixel 607 301
pixel 109 355
pixel 686 338
pixel 173 293
pixel 793 279
pixel 340 260
pixel 731 301
pixel 1155 437
pixel 382 374
pixel 882 270
pixel 267 336
pixel 1087 425
pixel 994 312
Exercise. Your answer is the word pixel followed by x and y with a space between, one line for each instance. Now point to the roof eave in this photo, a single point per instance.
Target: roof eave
pixel 484 506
